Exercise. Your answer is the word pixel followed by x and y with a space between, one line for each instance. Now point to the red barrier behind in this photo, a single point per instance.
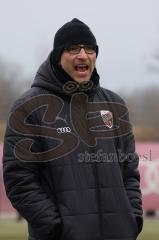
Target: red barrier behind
pixel 149 170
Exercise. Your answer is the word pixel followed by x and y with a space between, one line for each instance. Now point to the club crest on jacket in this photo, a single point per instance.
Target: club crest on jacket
pixel 107 117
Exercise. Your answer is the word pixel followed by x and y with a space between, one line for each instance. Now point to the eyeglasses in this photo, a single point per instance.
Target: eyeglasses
pixel 75 49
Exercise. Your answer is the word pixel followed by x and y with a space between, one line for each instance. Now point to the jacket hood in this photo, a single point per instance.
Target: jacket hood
pixel 57 80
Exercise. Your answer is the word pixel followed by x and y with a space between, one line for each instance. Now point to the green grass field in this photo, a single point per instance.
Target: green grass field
pixel 11 230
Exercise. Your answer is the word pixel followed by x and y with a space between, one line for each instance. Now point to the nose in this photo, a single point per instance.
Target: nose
pixel 82 53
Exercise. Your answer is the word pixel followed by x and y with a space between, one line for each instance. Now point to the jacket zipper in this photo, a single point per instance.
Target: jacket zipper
pixel 97 185
pixel 98 195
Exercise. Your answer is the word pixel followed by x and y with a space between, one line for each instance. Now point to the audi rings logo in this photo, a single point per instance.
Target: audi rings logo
pixel 64 130
pixel 150 177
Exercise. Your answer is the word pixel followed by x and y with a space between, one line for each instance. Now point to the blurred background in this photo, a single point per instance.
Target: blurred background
pixel 127 33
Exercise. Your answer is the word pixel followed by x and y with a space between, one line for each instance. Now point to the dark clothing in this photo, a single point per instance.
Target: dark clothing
pixel 64 191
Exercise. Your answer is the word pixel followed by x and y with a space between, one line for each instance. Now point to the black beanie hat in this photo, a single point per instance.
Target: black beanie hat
pixel 71 33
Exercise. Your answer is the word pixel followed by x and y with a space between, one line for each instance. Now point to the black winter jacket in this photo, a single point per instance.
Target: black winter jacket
pixel 67 170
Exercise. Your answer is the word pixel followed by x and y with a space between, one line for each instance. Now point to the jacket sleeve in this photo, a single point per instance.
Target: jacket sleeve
pixel 127 157
pixel 129 162
pixel 24 189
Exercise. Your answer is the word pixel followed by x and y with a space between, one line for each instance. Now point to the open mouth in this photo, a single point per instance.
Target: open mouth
pixel 81 67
